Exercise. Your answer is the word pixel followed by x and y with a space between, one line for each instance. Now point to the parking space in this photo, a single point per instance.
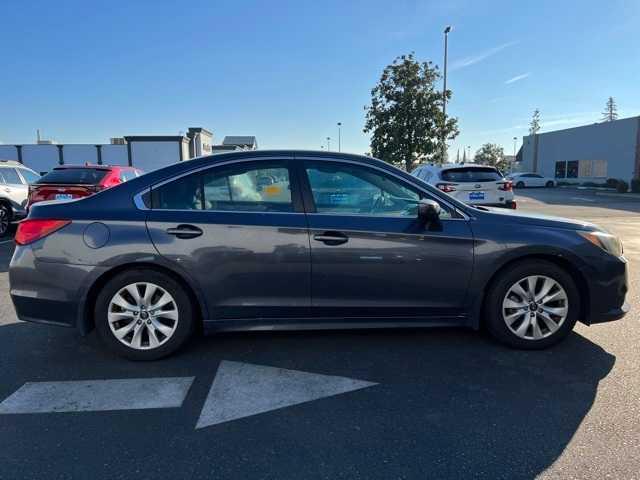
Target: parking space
pixel 438 403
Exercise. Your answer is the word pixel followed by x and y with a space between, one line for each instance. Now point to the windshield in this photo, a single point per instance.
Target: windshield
pixel 84 176
pixel 471 174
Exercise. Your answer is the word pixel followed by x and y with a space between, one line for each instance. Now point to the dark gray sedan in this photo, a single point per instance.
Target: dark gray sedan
pixel 304 240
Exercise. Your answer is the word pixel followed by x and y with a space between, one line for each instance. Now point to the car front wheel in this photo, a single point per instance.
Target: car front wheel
pixel 532 305
pixel 520 184
pixel 144 315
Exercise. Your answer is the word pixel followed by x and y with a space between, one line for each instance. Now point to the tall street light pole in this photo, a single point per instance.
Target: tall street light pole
pixel 339 137
pixel 444 94
pixel 328 144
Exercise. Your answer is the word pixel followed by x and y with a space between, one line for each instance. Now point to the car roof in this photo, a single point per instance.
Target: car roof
pixel 89 167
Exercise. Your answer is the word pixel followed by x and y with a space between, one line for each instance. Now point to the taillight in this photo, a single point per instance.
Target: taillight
pixel 33 229
pixel 446 187
pixel 506 186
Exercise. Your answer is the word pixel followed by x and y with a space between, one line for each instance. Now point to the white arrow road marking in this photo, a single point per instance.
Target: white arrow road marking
pixel 242 389
pixel 98 395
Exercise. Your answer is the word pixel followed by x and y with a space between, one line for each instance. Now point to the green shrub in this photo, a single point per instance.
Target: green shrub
pixel 623 187
pixel 635 185
pixel 612 182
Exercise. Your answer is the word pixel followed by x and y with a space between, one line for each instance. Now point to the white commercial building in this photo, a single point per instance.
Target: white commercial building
pixel 144 152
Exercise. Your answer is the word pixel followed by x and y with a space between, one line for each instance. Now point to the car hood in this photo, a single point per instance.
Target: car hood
pixel 541 220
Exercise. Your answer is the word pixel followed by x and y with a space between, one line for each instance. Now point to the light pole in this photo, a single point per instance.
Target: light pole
pixel 328 144
pixel 513 161
pixel 339 137
pixel 444 94
pixel 469 154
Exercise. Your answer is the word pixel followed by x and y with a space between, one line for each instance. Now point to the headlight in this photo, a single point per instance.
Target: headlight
pixel 609 243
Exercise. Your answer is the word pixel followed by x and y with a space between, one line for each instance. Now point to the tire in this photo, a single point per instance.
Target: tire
pixel 520 184
pixel 151 326
pixel 550 184
pixel 6 216
pixel 502 294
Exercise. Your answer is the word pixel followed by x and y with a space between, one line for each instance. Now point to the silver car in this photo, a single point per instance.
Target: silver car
pixel 14 192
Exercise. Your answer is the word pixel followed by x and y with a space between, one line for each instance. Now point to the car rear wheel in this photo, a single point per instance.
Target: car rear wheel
pixel 550 184
pixel 5 219
pixel 520 184
pixel 532 305
pixel 144 315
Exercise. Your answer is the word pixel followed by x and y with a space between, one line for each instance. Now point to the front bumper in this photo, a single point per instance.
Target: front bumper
pixel 608 286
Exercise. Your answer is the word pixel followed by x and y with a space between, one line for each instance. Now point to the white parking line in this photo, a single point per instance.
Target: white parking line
pixel 98 395
pixel 6 241
pixel 242 389
pixel 583 199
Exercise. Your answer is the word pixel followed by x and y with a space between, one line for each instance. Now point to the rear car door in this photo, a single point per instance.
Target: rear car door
pixel 13 188
pixel 372 257
pixel 243 240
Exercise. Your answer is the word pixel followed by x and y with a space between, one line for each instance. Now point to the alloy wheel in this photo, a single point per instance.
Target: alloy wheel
pixel 143 316
pixel 535 307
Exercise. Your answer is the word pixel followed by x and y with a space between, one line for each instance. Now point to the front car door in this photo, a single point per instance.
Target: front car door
pixel 240 231
pixel 371 257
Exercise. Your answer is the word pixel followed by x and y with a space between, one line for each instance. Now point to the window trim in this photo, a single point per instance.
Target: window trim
pixel 286 162
pixel 307 193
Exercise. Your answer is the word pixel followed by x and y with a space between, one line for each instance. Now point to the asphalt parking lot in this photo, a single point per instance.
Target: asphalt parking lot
pixel 438 403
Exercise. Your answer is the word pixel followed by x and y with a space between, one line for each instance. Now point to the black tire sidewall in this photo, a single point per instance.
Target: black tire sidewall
pixel 186 322
pixel 9 214
pixel 549 184
pixel 520 184
pixel 493 307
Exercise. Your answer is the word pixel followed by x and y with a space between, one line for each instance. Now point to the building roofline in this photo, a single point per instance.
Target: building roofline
pixel 635 117
pixel 155 138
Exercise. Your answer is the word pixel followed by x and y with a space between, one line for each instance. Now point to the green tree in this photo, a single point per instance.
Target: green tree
pixel 490 154
pixel 405 115
pixel 534 126
pixel 611 111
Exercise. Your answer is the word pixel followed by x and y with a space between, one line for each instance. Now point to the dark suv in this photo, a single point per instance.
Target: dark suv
pixel 329 241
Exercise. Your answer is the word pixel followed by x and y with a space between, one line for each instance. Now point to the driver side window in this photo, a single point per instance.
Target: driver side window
pixel 345 189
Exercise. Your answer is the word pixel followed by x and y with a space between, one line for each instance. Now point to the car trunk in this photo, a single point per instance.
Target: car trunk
pixel 67 184
pixel 475 184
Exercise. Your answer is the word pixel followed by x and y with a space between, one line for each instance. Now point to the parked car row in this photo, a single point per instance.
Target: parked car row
pixel 21 187
pixel 264 240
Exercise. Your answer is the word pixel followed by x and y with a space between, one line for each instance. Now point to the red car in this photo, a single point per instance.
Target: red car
pixel 75 181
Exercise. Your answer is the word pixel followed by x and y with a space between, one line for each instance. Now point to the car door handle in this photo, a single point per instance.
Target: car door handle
pixel 185 231
pixel 331 238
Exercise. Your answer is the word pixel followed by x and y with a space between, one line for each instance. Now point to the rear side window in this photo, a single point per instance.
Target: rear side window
pixel 126 175
pixel 10 176
pixel 255 187
pixel 471 174
pixel 29 176
pixel 83 176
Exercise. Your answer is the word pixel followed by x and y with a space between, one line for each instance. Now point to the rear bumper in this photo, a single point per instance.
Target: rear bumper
pixel 46 292
pixel 608 286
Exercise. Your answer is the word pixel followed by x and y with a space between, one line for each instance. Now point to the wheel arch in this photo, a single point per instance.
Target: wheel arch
pixel 86 321
pixel 559 260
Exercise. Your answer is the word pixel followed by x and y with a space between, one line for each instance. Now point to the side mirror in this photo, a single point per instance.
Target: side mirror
pixel 428 210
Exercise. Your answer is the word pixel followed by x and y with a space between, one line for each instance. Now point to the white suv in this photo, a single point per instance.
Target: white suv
pixel 469 183
pixel 14 191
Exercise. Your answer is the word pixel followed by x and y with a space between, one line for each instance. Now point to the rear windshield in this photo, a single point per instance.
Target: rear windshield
pixel 84 176
pixel 471 174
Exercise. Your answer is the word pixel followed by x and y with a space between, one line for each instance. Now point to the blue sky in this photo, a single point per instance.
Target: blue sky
pixel 287 71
